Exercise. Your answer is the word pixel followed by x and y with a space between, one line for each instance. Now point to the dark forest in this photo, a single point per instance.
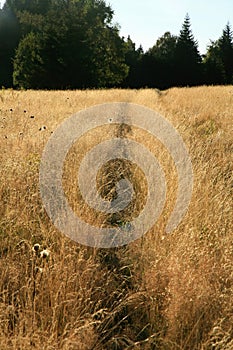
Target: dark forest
pixel 73 44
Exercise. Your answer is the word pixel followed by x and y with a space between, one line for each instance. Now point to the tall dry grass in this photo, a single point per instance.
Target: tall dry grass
pixel 163 291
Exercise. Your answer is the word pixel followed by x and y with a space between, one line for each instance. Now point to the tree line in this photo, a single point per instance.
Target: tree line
pixel 73 44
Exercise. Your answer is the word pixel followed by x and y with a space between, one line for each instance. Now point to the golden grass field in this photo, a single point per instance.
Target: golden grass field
pixel 163 291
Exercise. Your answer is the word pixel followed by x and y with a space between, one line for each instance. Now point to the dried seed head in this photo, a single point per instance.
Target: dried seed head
pixel 36 247
pixel 38 269
pixel 44 253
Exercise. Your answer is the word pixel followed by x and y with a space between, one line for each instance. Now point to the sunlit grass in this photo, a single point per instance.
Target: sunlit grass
pixel 160 292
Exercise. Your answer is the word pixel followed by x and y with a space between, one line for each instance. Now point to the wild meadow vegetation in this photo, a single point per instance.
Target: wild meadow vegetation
pixel 163 291
pixel 75 44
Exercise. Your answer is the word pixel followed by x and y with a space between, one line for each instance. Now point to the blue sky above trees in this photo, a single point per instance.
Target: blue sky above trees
pixel 146 20
pixel 75 44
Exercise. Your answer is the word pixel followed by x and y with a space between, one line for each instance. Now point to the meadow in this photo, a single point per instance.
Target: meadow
pixel 163 291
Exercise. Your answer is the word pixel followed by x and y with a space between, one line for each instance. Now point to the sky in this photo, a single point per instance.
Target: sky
pixel 147 20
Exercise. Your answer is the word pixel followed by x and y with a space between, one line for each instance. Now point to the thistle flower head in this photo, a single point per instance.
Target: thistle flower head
pixel 44 253
pixel 36 248
pixel 38 269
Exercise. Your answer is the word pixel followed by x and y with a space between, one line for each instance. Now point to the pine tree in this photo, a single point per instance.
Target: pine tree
pixel 225 45
pixel 187 56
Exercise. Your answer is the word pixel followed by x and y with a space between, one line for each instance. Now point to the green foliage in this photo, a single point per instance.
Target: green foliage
pixel 9 37
pixel 133 59
pixel 76 45
pixel 60 44
pixel 162 57
pixel 28 63
pixel 213 65
pixel 187 56
pixel 225 45
pixel 165 47
pixel 219 59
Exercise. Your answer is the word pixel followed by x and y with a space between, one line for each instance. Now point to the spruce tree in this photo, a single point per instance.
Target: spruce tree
pixel 187 57
pixel 225 45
